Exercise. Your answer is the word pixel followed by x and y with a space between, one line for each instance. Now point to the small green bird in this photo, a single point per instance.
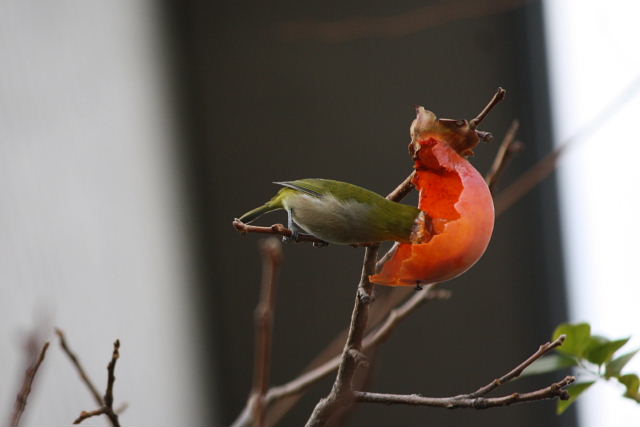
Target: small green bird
pixel 339 212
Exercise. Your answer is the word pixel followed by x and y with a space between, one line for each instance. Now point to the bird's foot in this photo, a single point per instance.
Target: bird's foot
pixel 295 237
pixel 418 286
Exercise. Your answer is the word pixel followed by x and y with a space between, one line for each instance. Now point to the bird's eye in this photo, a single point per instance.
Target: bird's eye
pixel 460 123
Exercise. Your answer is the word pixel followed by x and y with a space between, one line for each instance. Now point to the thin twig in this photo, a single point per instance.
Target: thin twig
pixel 282 398
pixel 515 372
pixel 25 390
pixel 88 414
pixel 276 229
pixel 97 397
pixel 402 189
pixel 497 98
pixel 508 148
pixel 555 390
pixel 387 256
pixel 401 312
pixel 272 257
pixel 111 379
pixel 123 407
pixel 476 399
pixel 107 406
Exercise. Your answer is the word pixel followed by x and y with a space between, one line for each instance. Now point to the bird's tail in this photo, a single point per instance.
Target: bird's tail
pixel 272 205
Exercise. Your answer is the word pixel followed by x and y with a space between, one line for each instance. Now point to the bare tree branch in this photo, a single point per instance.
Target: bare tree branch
pixel 341 395
pixel 97 397
pixel 111 379
pixel 272 257
pixel 402 189
pixel 386 300
pixel 25 390
pixel 508 148
pixel 555 390
pixel 399 313
pixel 107 406
pixel 476 399
pixel 515 372
pixel 497 98
pixel 88 414
pixel 373 338
pixel 276 229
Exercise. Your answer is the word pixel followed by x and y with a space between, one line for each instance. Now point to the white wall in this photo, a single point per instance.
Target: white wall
pixel 91 235
pixel 594 59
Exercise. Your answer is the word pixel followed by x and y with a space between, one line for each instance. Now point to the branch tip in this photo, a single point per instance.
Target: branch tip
pixel 495 100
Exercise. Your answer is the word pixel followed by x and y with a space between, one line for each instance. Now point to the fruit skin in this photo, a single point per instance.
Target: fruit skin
pixel 459 207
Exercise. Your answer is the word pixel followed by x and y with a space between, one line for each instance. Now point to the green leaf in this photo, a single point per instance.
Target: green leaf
pixel 614 368
pixel 595 341
pixel 550 363
pixel 632 383
pixel 577 338
pixel 574 390
pixel 600 350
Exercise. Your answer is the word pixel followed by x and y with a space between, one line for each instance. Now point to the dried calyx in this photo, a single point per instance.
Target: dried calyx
pixel 461 135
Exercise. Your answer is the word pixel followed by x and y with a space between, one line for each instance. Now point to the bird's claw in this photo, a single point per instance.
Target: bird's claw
pixel 295 237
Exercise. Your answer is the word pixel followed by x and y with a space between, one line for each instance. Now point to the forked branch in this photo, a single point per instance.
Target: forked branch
pixel 107 406
pixel 371 340
pixel 477 399
pixel 555 390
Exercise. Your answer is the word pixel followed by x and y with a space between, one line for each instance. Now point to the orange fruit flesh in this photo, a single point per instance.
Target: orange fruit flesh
pixel 456 198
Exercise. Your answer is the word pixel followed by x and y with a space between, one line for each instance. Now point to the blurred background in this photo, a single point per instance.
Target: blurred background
pixel 132 133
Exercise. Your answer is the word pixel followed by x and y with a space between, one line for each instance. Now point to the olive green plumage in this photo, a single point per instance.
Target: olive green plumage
pixel 339 212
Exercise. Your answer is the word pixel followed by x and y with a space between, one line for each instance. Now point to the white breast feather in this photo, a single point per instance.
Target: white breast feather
pixel 330 219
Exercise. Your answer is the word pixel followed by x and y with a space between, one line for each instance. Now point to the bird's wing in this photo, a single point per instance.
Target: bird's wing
pixel 319 187
pixel 304 185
